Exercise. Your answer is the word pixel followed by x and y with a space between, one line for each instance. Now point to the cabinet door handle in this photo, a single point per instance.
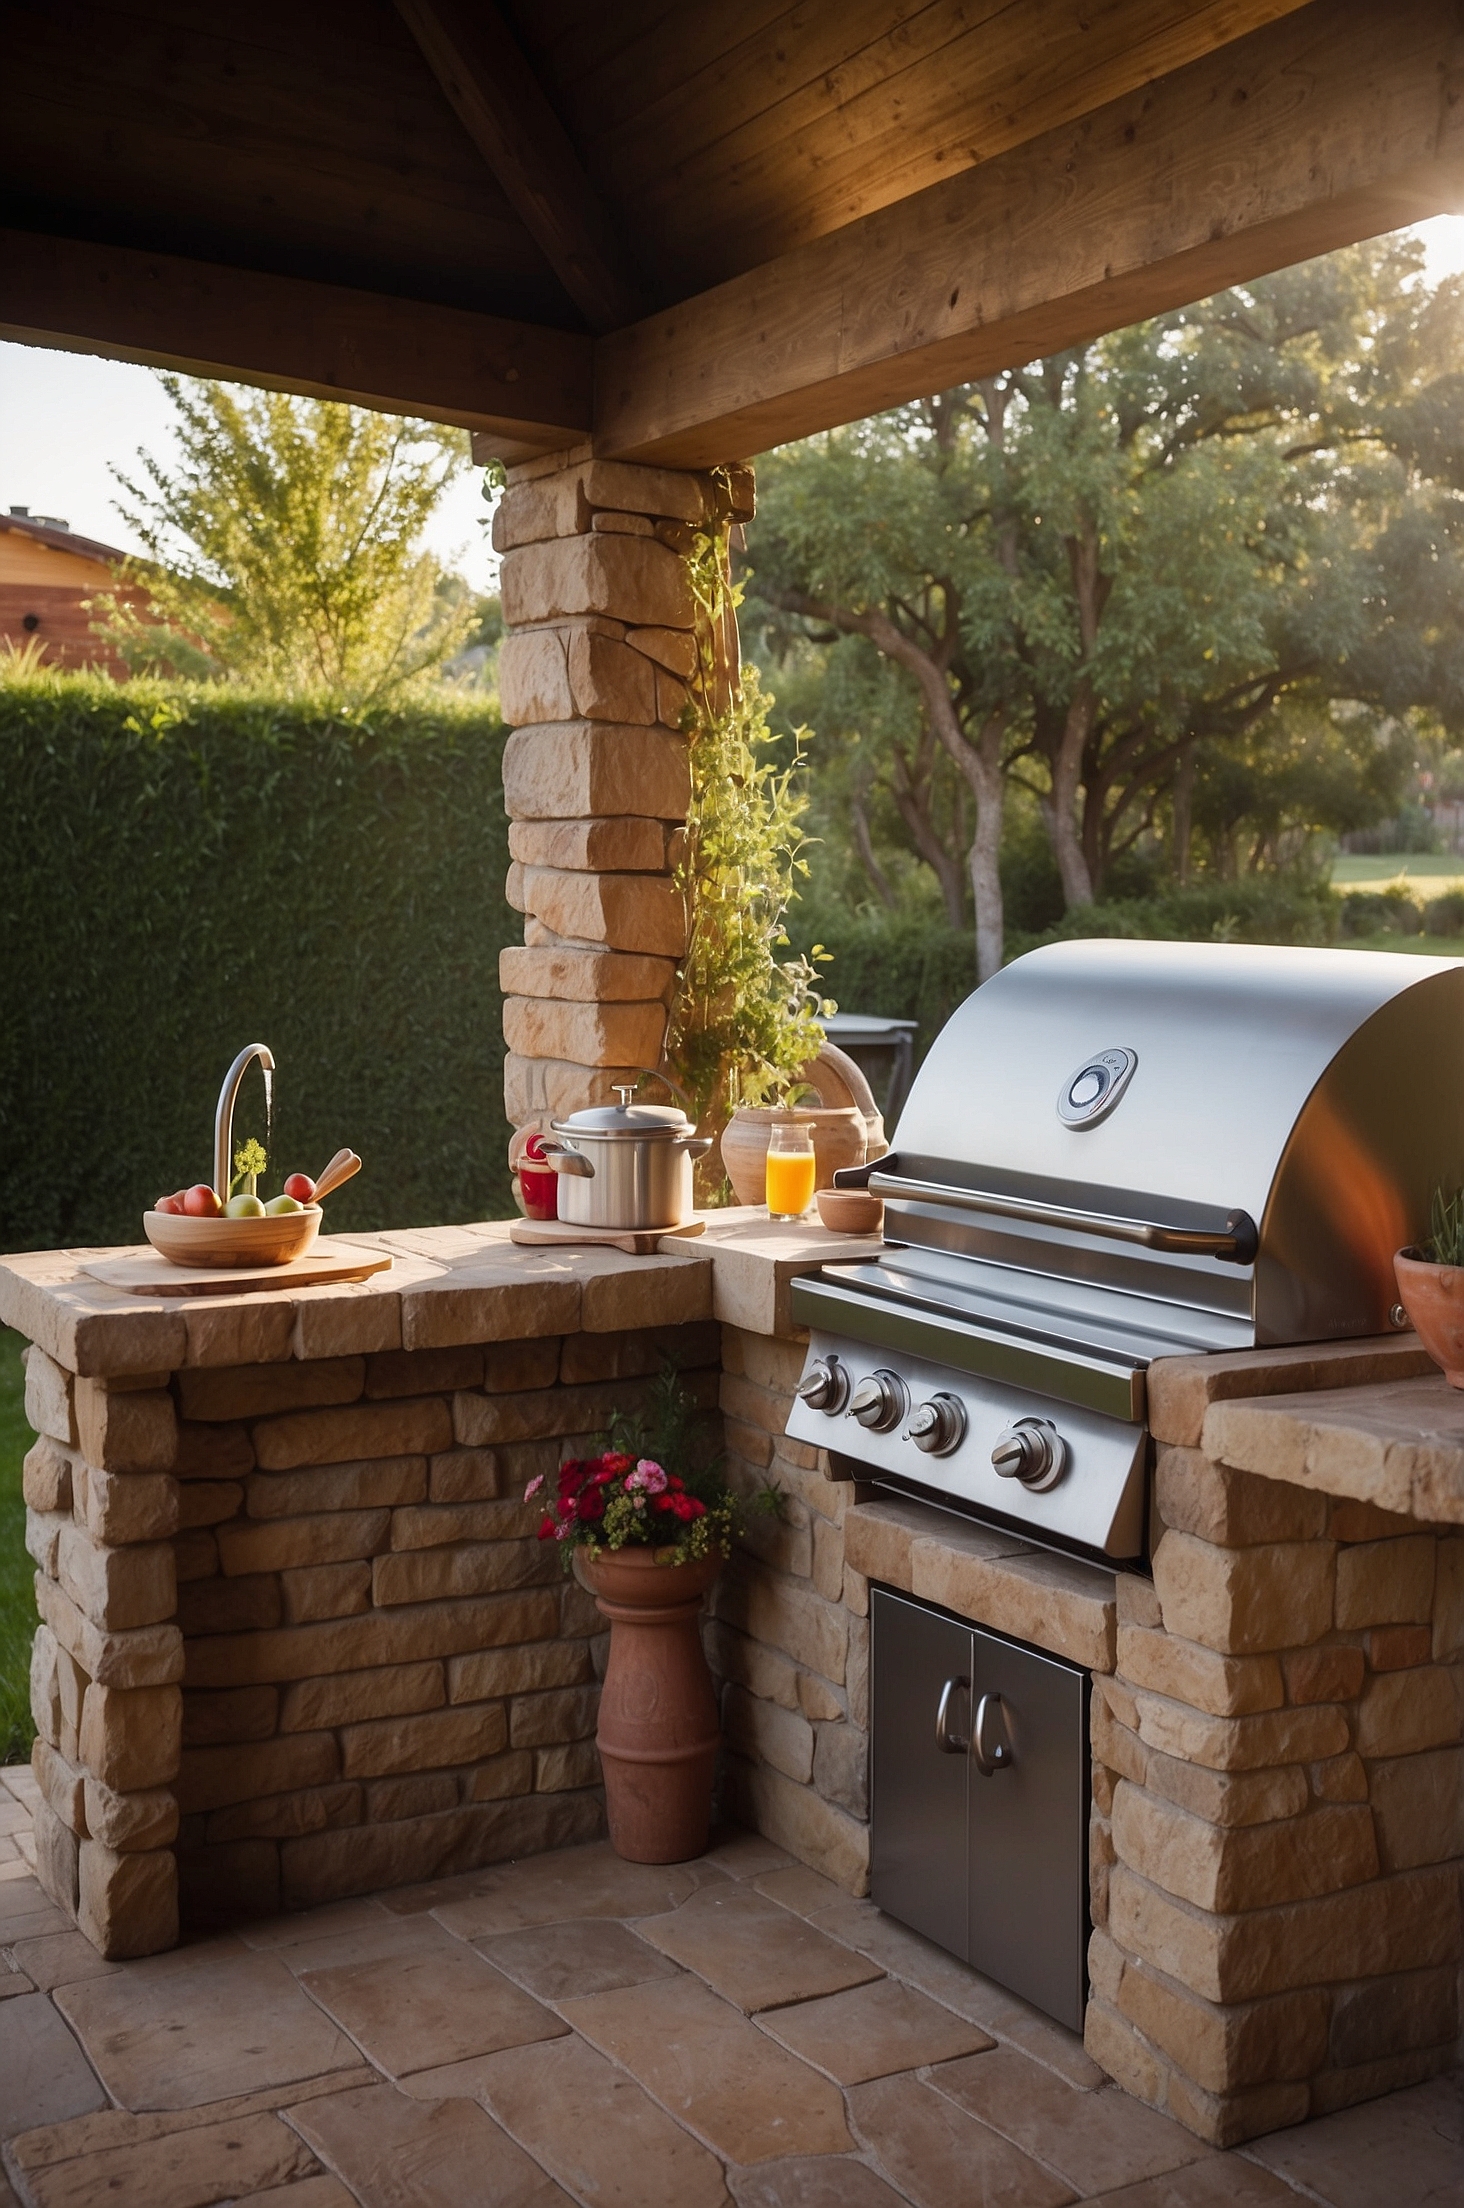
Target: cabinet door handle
pixel 991 1741
pixel 949 1744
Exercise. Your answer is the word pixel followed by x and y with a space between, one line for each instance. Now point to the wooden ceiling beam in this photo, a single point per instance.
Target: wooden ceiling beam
pixel 529 386
pixel 499 102
pixel 1339 122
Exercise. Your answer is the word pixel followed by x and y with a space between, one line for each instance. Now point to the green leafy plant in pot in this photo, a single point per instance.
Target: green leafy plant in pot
pixel 1430 1280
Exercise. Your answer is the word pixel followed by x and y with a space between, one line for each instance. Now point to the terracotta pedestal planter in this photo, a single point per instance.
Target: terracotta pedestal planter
pixel 658 1733
pixel 1433 1297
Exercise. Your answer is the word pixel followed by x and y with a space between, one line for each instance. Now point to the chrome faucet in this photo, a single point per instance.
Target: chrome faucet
pixel 224 1116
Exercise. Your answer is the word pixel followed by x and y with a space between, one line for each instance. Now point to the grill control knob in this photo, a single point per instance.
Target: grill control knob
pixel 880 1401
pixel 938 1426
pixel 1032 1451
pixel 825 1386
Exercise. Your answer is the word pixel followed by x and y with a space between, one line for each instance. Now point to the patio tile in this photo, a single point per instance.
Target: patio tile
pixel 15 1865
pixel 14 1816
pixel 873 2031
pixel 824 2181
pixel 905 1954
pixel 21 1782
pixel 558 1961
pixel 1407 2150
pixel 394 2152
pixel 596 2131
pixel 323 2191
pixel 1223 2181
pixel 25 1911
pixel 1097 2141
pixel 744 1854
pixel 756 1953
pixel 800 1889
pixel 332 1921
pixel 748 2098
pixel 44 2076
pixel 937 2155
pixel 61 1959
pixel 571 1884
pixel 184 2169
pixel 376 1938
pixel 13 1982
pixel 114 2128
pixel 180 2030
pixel 418 2011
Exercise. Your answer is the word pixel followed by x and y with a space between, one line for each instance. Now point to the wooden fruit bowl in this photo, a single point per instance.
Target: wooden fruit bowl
pixel 222 1244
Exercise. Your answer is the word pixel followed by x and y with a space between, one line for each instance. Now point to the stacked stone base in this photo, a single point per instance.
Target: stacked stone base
pixel 1279 1805
pixel 299 1637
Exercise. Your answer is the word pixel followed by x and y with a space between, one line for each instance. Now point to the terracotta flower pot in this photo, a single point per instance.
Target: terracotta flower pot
pixel 839 1139
pixel 658 1734
pixel 1433 1297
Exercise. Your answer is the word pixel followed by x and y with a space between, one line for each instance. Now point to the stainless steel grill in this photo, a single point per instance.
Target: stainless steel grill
pixel 1116 1152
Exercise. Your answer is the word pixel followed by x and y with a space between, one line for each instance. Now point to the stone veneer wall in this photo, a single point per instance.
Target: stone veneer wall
pixel 299 1639
pixel 592 677
pixel 1279 1802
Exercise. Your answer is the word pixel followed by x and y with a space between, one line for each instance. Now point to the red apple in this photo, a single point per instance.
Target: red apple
pixel 169 1204
pixel 200 1202
pixel 301 1187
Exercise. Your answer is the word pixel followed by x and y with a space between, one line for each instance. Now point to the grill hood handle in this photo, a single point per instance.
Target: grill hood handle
pixel 1234 1242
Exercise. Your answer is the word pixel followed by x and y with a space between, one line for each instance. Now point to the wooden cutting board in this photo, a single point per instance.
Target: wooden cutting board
pixel 152 1275
pixel 636 1242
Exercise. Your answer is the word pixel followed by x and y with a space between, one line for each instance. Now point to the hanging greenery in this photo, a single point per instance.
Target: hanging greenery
pixel 746 1015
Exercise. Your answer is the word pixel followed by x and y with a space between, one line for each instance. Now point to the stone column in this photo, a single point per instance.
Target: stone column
pixel 592 675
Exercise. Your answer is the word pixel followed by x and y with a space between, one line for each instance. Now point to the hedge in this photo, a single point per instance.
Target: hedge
pixel 186 870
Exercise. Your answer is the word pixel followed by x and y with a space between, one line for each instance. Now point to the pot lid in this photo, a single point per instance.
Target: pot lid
pixel 625 1118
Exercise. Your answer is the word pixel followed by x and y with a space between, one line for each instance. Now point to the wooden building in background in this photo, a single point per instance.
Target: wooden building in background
pixel 48 577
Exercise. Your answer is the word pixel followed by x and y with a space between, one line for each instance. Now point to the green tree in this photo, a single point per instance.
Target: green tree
pixel 1099 573
pixel 286 548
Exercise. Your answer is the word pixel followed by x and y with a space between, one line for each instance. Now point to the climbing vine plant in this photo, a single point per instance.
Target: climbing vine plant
pixel 746 1012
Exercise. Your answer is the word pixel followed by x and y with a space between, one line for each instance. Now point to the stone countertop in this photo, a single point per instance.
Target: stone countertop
pixel 446 1285
pixel 1398 1444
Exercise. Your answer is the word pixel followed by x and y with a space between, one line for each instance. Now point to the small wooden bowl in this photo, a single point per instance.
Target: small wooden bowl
pixel 221 1245
pixel 850 1210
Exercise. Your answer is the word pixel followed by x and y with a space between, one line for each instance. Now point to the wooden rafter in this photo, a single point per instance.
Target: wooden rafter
pixel 497 98
pixel 1339 122
pixel 527 385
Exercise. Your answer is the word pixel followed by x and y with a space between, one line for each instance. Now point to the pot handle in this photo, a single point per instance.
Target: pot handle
pixel 560 1158
pixel 694 1146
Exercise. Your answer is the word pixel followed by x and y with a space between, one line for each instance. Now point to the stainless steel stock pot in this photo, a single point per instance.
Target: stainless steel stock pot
pixel 625 1165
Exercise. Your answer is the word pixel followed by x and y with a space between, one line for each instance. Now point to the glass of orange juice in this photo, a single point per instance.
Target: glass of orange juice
pixel 792 1170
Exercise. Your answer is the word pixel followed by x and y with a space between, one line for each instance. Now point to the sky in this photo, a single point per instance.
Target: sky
pixel 66 419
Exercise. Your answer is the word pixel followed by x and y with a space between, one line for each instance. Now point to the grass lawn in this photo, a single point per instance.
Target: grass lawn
pixel 1431 872
pixel 17 1600
pixel 1421 946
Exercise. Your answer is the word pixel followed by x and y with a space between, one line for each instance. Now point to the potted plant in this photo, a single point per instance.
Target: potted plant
pixel 646 1525
pixel 1430 1278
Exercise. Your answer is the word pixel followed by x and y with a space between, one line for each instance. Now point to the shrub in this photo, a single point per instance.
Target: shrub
pixel 184 870
pixel 1445 915
pixel 1380 912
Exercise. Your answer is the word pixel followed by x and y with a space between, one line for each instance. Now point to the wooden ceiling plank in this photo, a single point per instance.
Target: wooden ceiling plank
pixel 497 98
pixel 900 116
pixel 1339 122
pixel 403 357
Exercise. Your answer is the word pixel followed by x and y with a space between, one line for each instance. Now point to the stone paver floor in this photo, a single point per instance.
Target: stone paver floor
pixel 731 2033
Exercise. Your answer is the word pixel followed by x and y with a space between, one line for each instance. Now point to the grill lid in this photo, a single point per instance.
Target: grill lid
pixel 1242 1129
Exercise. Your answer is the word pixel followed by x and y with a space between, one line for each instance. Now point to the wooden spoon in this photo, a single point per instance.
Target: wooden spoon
pixel 341 1167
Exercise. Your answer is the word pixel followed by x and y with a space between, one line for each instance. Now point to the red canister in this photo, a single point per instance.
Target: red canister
pixel 538 1186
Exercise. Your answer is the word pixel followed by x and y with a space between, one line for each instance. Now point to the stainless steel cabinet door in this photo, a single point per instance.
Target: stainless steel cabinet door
pixel 1028 1816
pixel 921 1662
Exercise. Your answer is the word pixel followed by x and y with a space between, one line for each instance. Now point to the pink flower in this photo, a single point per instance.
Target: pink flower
pixel 534 1485
pixel 648 1476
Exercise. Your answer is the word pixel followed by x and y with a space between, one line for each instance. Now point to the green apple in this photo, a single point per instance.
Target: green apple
pixel 279 1204
pixel 243 1207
